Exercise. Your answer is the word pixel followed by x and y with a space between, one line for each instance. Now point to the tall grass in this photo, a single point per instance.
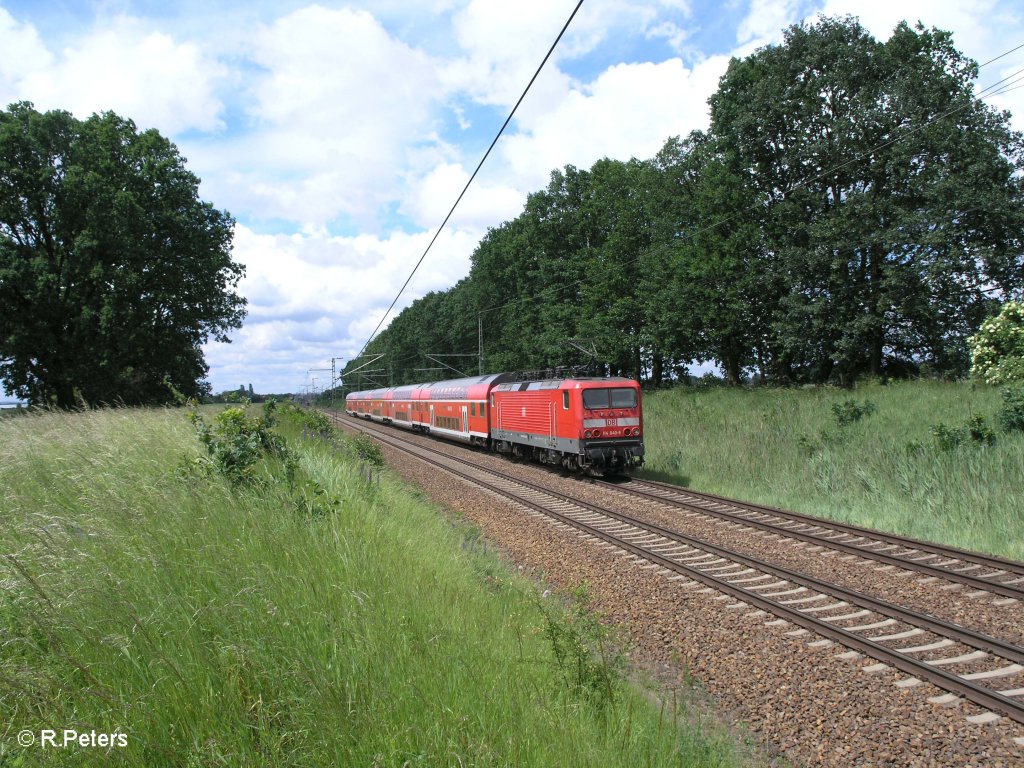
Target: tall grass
pixel 887 469
pixel 245 625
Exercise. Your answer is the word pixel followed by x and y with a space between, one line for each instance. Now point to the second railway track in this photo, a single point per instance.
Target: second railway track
pixel 981 572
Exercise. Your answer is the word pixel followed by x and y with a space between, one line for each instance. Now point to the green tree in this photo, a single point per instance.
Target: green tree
pixel 113 272
pixel 617 215
pixel 559 241
pixel 709 294
pixel 890 197
pixel 504 278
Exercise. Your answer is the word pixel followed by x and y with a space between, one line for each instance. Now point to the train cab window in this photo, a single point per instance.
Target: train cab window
pixel 565 399
pixel 623 398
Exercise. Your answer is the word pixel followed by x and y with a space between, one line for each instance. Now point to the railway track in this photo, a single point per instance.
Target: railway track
pixel 965 664
pixel 984 573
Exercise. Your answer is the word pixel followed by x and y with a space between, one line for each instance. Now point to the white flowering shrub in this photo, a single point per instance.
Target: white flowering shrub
pixel 997 349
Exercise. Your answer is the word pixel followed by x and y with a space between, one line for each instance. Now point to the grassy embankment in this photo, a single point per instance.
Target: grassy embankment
pixel 886 470
pixel 326 621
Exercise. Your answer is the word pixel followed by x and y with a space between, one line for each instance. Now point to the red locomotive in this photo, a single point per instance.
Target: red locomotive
pixel 579 423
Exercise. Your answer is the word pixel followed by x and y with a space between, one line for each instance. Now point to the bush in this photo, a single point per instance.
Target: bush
pixel 319 423
pixel 1011 413
pixel 849 411
pixel 310 419
pixel 980 431
pixel 367 450
pixel 236 442
pixel 587 654
pixel 948 438
pixel 977 431
pixel 997 349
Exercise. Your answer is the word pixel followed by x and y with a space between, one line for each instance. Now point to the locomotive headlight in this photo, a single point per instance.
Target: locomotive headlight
pixel 636 431
pixel 596 433
pixel 586 433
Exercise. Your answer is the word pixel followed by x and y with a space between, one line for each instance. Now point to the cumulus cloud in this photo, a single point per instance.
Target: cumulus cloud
pixel 765 21
pixel 125 67
pixel 484 204
pixel 313 296
pixel 502 44
pixel 336 102
pixel 628 111
pixel 21 54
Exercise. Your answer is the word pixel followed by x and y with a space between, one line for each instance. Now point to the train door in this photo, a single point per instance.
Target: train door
pixel 552 440
pixel 431 424
pixel 465 419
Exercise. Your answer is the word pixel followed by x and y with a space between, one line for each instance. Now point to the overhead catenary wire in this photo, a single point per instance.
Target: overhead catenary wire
pixel 473 176
pixel 1001 55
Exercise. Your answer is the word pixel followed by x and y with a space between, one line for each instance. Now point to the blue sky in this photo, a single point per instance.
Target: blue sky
pixel 339 134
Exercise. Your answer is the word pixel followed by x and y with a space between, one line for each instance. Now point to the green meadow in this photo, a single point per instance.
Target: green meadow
pixel 307 611
pixel 911 457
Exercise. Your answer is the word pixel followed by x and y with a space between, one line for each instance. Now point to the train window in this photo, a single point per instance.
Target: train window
pixel 565 399
pixel 472 409
pixel 623 398
pixel 595 398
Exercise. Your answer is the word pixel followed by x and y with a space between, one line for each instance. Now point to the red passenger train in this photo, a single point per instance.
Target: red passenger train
pixel 579 423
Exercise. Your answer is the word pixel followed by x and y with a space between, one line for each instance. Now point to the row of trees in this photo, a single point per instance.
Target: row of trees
pixel 854 208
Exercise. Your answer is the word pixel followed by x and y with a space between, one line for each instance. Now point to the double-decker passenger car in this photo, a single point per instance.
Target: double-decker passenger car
pixel 580 423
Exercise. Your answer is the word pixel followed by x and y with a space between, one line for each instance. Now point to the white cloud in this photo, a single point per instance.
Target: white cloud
pixel 502 45
pixel 315 296
pixel 131 70
pixel 673 33
pixel 21 53
pixel 482 206
pixel 765 21
pixel 629 111
pixel 336 105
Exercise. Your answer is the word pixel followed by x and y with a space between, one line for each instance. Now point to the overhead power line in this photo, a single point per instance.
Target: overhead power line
pixel 479 165
pixel 1001 55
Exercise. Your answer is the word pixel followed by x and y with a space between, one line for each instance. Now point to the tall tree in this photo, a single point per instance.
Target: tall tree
pixel 710 296
pixel 506 280
pixel 113 272
pixel 891 196
pixel 617 216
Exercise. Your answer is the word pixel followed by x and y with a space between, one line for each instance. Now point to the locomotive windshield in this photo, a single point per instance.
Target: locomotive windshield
pixel 609 398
